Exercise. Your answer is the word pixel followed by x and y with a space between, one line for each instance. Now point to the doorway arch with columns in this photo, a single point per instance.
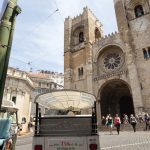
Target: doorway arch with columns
pixel 115 97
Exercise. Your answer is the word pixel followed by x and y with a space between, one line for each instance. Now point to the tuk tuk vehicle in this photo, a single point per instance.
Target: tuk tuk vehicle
pixel 66 120
pixel 8 125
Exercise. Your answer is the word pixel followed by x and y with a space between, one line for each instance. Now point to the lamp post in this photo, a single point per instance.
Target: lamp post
pixel 9 12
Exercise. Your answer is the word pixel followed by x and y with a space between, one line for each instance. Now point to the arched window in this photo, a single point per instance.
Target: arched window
pixel 139 11
pixel 14 99
pixel 81 37
pixel 97 33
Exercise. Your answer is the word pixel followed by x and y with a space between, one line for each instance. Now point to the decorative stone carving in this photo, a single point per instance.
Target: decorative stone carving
pixel 111 60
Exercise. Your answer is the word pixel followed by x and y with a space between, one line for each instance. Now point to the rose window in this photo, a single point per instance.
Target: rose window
pixel 112 61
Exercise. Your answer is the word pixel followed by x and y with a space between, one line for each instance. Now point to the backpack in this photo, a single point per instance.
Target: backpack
pixel 133 120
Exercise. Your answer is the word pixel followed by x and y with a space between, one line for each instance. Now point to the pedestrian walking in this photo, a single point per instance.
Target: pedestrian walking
pixel 109 123
pixel 126 119
pixel 117 123
pixel 103 121
pixel 140 118
pixel 133 122
pixel 147 121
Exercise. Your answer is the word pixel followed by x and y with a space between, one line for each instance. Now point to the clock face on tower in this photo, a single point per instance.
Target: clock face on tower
pixel 111 60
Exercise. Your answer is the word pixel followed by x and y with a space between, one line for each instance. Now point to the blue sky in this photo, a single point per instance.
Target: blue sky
pixel 39 35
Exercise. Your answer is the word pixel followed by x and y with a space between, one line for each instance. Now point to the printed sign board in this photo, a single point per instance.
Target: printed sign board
pixel 68 144
pixel 3 8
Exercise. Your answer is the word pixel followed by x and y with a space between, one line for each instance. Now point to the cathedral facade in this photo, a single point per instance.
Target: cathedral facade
pixel 115 68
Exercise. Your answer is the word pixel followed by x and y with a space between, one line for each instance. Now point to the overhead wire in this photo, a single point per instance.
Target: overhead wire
pixel 29 63
pixel 44 55
pixel 22 64
pixel 55 1
pixel 37 26
pixel 57 10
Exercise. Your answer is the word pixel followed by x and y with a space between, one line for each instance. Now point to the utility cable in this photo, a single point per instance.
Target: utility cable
pixel 59 11
pixel 28 64
pixel 37 27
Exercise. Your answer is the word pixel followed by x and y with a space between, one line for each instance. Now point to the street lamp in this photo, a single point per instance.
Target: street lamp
pixel 9 12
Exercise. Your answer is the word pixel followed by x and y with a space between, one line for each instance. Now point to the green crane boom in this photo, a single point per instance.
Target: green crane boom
pixel 10 10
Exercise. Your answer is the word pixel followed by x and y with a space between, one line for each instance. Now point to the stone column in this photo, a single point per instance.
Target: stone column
pixel 67 54
pixel 98 112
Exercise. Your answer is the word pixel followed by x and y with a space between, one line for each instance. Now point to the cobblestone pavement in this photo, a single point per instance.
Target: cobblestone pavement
pixel 125 141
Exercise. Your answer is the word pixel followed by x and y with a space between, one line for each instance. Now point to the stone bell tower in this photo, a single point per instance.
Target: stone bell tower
pixel 133 18
pixel 79 34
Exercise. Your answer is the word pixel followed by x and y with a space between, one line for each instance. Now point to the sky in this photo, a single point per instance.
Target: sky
pixel 38 42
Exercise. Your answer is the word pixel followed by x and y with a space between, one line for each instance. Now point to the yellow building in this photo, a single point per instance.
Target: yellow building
pixel 18 88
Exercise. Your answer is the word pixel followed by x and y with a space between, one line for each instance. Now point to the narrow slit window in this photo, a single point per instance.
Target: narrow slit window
pixel 145 53
pixel 82 71
pixel 149 52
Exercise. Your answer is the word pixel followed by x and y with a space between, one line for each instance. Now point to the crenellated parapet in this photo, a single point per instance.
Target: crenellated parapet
pixel 82 16
pixel 90 12
pixel 107 38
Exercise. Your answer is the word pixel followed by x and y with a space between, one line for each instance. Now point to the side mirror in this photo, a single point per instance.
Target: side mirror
pixel 23 120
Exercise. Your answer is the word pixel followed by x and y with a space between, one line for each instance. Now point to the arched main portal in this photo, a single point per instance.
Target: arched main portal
pixel 115 97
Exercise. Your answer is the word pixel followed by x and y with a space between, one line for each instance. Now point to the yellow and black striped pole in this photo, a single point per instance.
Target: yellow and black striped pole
pixel 9 12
